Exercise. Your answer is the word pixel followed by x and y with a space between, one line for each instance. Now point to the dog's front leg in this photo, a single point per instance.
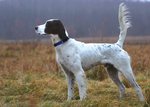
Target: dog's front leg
pixel 81 81
pixel 70 79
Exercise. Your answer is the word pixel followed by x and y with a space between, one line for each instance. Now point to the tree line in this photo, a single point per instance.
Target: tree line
pixel 82 18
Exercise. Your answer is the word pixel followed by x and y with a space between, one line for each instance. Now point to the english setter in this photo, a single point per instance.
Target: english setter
pixel 74 57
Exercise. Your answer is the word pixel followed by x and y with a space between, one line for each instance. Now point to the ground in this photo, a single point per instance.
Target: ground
pixel 30 77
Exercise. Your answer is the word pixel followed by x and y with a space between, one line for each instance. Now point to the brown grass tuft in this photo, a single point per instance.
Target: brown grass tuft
pixel 147 95
pixel 30 77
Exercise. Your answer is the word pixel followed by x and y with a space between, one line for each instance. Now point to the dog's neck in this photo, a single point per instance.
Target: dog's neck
pixel 56 40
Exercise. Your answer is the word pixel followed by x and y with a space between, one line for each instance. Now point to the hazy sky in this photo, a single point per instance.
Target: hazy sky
pixel 129 0
pixel 142 0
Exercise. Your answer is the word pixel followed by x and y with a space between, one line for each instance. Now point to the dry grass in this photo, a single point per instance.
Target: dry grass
pixel 29 77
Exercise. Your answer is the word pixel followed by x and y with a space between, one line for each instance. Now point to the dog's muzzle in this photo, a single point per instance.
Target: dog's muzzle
pixel 40 30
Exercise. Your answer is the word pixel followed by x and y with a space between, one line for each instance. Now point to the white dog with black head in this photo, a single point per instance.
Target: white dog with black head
pixel 74 57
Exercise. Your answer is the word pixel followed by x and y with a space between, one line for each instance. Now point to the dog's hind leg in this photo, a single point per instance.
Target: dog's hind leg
pixel 130 77
pixel 126 70
pixel 113 74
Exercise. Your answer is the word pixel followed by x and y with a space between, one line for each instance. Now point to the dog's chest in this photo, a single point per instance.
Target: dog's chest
pixel 67 57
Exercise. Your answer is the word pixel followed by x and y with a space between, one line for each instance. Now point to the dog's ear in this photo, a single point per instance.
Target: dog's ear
pixel 56 27
pixel 62 32
pixel 53 27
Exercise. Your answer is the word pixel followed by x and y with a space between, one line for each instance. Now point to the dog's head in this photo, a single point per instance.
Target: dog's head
pixel 52 26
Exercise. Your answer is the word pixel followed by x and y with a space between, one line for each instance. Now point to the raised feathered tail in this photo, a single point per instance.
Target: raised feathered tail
pixel 124 23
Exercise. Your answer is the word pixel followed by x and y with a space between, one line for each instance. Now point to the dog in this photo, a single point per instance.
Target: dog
pixel 74 56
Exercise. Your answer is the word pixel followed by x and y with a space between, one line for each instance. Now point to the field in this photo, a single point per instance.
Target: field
pixel 30 77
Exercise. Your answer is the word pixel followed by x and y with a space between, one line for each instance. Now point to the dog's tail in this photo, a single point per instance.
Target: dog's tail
pixel 124 22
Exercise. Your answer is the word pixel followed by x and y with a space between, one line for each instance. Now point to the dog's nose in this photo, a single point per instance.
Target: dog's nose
pixel 36 28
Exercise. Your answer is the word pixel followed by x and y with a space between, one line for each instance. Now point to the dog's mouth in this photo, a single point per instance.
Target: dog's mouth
pixel 40 33
pixel 43 34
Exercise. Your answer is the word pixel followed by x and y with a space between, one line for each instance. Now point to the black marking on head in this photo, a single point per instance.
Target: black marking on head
pixel 56 27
